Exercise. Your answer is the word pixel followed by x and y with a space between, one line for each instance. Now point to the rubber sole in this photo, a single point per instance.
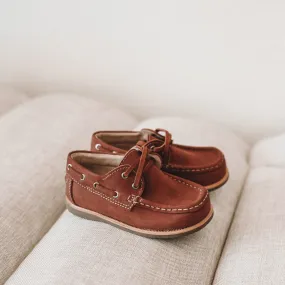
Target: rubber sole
pixel 218 184
pixel 91 215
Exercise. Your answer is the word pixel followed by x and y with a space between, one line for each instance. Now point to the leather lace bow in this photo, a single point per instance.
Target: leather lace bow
pixel 140 165
pixel 160 144
pixel 151 145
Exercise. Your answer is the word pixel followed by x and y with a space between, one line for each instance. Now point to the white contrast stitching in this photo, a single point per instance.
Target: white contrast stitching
pixel 110 174
pixel 127 156
pixel 103 196
pixel 70 190
pixel 143 204
pixel 194 170
pixel 123 168
pixel 175 209
pixel 182 182
pixel 132 199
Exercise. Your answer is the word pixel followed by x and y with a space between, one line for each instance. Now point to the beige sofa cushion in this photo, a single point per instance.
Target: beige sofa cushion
pixel 255 249
pixel 77 251
pixel 34 141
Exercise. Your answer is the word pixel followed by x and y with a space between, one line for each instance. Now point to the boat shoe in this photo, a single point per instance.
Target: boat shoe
pixel 203 165
pixel 130 191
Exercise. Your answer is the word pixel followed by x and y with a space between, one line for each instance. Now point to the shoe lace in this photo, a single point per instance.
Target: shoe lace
pixel 161 144
pixel 139 165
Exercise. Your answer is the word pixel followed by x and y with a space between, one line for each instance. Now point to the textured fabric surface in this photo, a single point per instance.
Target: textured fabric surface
pixel 10 98
pixel 77 251
pixel 34 141
pixel 269 152
pixel 255 250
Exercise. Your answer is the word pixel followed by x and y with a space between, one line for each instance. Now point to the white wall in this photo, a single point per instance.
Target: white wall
pixel 223 59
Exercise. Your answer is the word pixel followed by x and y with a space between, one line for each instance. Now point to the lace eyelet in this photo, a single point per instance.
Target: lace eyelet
pixel 135 187
pixel 82 177
pixel 98 146
pixel 95 184
pixel 116 194
pixel 124 176
pixel 69 166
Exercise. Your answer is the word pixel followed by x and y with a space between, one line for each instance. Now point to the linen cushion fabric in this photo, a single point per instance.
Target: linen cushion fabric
pixel 255 250
pixel 78 251
pixel 34 141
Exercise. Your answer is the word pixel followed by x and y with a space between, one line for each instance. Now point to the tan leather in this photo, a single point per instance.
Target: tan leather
pixel 203 165
pixel 132 189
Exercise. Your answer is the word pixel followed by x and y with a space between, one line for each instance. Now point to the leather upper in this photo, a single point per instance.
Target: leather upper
pixel 132 188
pixel 203 165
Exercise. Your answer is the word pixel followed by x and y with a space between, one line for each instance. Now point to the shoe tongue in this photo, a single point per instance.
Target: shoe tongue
pixel 152 140
pixel 130 157
pixel 134 154
pixel 155 136
pixel 148 134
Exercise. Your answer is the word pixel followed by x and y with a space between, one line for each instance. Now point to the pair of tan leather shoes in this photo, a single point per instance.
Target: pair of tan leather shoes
pixel 143 183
